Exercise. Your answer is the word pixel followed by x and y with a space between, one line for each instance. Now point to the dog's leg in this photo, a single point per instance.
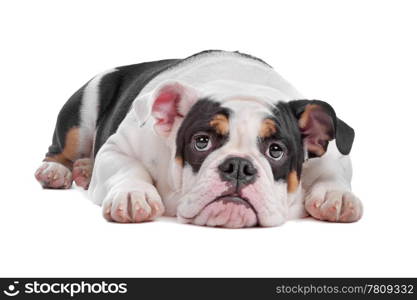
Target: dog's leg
pixel 326 181
pixel 70 155
pixel 122 185
pixel 69 143
pixel 56 170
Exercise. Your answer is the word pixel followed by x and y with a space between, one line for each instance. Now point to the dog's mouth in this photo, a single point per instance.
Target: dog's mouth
pixel 233 198
pixel 231 211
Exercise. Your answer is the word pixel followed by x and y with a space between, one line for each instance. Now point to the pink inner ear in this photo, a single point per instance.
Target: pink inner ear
pixel 165 109
pixel 317 128
pixel 168 104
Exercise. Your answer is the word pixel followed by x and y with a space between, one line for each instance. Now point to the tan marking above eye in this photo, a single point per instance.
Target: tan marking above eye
pixel 179 160
pixel 268 128
pixel 220 123
pixel 292 182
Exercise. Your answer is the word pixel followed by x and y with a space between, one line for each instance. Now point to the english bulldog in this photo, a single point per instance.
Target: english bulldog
pixel 216 139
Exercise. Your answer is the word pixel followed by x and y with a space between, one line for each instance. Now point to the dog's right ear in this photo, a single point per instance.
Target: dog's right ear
pixel 318 125
pixel 169 102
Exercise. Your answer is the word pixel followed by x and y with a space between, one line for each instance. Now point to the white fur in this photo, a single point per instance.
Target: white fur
pixel 89 112
pixel 135 156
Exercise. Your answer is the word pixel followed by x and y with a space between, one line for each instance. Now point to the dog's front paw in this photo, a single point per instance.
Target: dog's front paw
pixel 52 175
pixel 133 206
pixel 81 172
pixel 334 205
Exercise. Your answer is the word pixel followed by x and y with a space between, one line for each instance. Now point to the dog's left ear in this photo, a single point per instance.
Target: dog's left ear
pixel 169 102
pixel 319 124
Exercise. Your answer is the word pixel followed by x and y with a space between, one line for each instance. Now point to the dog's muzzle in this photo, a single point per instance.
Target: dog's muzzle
pixel 229 211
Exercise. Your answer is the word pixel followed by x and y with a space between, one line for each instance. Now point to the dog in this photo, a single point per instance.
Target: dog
pixel 216 139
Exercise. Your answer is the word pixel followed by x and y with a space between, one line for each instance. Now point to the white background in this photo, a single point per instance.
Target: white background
pixel 360 56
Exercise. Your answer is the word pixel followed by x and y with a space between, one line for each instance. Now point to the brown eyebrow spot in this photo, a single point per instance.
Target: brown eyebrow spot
pixel 220 123
pixel 179 160
pixel 292 182
pixel 268 128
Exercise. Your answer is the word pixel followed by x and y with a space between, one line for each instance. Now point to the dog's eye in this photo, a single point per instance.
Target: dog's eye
pixel 202 143
pixel 275 151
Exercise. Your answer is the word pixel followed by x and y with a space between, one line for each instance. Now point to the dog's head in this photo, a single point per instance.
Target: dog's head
pixel 236 160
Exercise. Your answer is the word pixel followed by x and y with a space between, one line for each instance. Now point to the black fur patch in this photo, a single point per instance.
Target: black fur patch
pixel 118 90
pixel 289 138
pixel 68 117
pixel 198 120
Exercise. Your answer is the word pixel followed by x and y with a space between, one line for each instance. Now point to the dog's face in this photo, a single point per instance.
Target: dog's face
pixel 236 161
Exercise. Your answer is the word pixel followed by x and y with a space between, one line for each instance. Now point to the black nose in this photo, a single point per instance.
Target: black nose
pixel 237 169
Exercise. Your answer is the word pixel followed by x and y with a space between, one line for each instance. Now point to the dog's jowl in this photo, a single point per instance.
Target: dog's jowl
pixel 217 139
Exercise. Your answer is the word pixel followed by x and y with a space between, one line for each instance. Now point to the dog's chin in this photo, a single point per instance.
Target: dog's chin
pixel 227 211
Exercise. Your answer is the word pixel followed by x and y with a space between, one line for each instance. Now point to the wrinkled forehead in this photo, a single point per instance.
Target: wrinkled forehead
pixel 244 108
pixel 248 117
pixel 235 108
pixel 239 119
pixel 235 118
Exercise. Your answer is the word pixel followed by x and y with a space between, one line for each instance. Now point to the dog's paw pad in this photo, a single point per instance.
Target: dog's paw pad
pixel 334 206
pixel 81 172
pixel 133 206
pixel 54 175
